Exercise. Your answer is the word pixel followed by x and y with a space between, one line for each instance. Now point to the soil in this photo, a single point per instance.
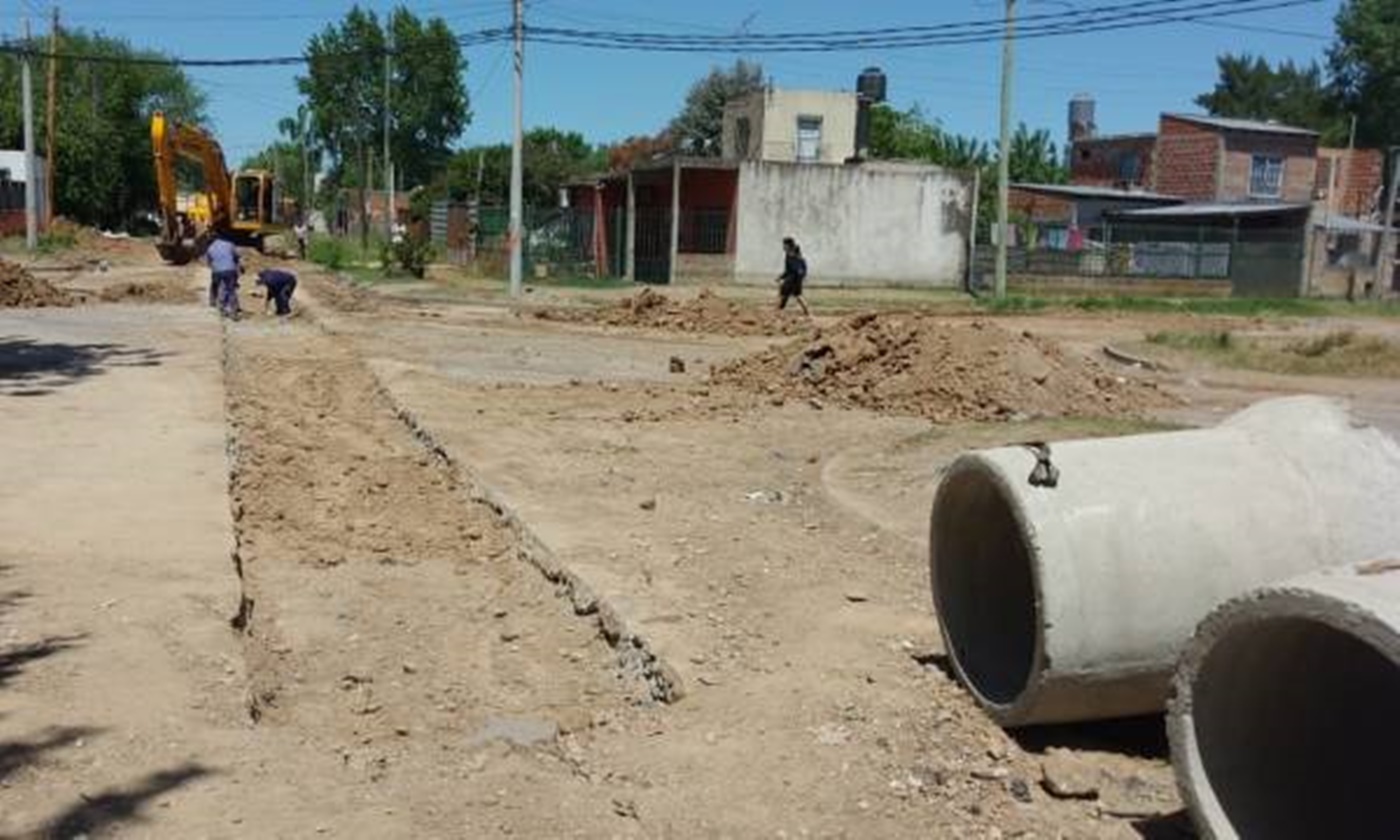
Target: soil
pixel 945 370
pixel 174 291
pixel 19 288
pixel 707 312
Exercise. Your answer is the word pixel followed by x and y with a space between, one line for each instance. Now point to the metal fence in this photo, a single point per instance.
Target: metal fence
pixel 1158 253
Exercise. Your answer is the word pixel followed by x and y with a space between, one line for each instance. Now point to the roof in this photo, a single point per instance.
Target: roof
pixel 1348 224
pixel 1233 124
pixel 1086 191
pixel 1110 138
pixel 1213 209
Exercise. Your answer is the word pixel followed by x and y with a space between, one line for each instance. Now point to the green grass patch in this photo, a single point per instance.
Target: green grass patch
pixel 1336 353
pixel 581 282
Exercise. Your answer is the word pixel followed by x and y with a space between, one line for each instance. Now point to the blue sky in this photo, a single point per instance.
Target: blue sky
pixel 1133 74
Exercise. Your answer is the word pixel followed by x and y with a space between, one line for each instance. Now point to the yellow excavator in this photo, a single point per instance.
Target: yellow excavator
pixel 244 206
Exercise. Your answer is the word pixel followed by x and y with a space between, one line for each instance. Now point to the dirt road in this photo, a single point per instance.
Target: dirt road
pixel 251 588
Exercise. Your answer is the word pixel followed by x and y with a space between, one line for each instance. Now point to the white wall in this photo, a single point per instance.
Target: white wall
pixel 860 224
pixel 14 161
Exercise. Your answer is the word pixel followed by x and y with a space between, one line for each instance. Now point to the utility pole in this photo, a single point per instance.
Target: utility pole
pixel 517 174
pixel 1388 238
pixel 388 159
pixel 51 146
pixel 1004 159
pixel 304 117
pixel 31 195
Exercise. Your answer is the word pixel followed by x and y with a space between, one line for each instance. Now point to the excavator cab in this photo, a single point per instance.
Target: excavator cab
pixel 254 200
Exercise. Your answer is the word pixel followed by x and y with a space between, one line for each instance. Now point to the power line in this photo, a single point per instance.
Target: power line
pixel 1106 18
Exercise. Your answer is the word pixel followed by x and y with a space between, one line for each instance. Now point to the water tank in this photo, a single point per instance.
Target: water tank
pixel 871 84
pixel 1081 118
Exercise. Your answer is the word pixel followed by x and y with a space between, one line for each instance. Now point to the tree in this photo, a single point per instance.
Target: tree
pixel 344 89
pixel 1034 158
pixel 1251 88
pixel 552 158
pixel 104 174
pixel 285 159
pixel 1365 66
pixel 908 135
pixel 698 127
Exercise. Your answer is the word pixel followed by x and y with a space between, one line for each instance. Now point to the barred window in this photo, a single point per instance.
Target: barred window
pixel 1266 176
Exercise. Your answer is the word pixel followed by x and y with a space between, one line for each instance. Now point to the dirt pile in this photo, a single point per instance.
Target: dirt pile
pixel 154 292
pixel 946 371
pixel 20 288
pixel 705 313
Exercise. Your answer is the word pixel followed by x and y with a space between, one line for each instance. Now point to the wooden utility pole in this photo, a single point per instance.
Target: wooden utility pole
pixel 51 145
pixel 1004 159
pixel 31 166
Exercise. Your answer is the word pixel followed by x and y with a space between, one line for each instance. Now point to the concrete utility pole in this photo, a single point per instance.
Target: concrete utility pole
pixel 51 146
pixel 389 213
pixel 1004 159
pixel 31 195
pixel 517 173
pixel 1388 238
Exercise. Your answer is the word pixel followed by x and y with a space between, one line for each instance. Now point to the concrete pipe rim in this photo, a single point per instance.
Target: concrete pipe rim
pixel 1318 611
pixel 1005 689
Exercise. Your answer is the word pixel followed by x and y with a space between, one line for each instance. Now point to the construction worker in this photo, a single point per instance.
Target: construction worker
pixel 280 285
pixel 224 268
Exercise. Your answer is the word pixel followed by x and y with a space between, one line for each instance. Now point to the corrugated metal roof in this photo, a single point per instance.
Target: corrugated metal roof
pixel 1213 209
pixel 1232 124
pixel 1088 191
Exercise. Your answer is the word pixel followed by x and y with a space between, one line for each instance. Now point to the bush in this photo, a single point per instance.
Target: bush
pixel 409 253
pixel 1322 345
pixel 329 251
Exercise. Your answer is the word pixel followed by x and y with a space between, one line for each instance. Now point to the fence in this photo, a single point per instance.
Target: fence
pixel 1266 260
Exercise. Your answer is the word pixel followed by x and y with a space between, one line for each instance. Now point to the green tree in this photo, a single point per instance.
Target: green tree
pixel 104 173
pixel 344 89
pixel 285 159
pixel 697 129
pixel 1365 66
pixel 1249 87
pixel 552 158
pixel 1034 158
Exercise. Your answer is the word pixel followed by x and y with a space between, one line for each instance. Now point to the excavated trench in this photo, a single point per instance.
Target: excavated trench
pixel 379 592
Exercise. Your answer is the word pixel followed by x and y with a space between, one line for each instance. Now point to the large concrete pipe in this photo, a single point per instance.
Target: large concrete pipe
pixel 1284 721
pixel 1068 597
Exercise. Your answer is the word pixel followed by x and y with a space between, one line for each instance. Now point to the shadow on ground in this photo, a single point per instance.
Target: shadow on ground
pixel 33 368
pixel 98 812
pixel 17 754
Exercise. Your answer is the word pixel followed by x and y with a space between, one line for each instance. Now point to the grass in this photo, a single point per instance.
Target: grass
pixel 1336 353
pixel 1245 307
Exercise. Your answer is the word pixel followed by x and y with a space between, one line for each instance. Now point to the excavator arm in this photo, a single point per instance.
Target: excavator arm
pixel 185 233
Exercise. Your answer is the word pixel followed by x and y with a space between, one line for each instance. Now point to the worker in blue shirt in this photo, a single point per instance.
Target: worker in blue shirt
pixel 224 268
pixel 280 285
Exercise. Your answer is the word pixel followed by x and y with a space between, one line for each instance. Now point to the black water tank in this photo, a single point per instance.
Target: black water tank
pixel 871 84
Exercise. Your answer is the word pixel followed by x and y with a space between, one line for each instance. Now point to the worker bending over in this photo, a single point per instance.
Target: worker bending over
pixel 280 285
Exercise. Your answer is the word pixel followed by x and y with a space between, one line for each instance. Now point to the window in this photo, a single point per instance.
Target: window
pixel 1266 176
pixel 809 139
pixel 1130 168
pixel 743 133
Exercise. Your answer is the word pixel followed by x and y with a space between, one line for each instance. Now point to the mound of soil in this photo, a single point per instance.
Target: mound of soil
pixel 705 313
pixel 20 288
pixel 156 292
pixel 946 371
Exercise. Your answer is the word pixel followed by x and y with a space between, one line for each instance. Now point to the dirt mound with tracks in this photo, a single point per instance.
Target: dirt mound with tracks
pixel 152 292
pixel 19 288
pixel 707 312
pixel 945 370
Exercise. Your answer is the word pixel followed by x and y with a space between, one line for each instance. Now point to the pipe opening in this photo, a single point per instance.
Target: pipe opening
pixel 1296 728
pixel 983 584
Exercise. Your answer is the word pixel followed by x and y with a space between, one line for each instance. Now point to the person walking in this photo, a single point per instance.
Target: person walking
pixel 224 267
pixel 300 230
pixel 280 285
pixel 794 272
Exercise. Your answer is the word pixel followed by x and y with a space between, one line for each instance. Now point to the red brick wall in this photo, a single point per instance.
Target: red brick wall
pixel 1038 208
pixel 1100 163
pixel 1357 184
pixel 1187 161
pixel 1299 155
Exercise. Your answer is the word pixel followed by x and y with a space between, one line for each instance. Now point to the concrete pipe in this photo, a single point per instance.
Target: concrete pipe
pixel 1283 722
pixel 1068 597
